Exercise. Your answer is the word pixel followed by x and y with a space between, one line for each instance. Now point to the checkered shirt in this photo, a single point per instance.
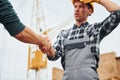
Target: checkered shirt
pixel 96 33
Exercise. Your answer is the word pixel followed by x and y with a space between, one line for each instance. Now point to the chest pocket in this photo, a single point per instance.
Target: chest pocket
pixel 74 46
pixel 76 43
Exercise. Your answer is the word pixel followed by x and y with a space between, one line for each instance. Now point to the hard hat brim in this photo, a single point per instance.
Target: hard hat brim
pixel 92 4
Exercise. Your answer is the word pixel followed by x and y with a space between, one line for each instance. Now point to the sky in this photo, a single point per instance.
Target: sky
pixel 14 54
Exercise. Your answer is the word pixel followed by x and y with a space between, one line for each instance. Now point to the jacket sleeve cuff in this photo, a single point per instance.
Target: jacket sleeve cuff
pixel 14 28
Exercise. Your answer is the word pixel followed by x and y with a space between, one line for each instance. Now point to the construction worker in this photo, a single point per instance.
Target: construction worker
pixel 79 45
pixel 12 24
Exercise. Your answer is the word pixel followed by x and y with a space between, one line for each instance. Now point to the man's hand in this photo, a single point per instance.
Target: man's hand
pixel 47 48
pixel 47 45
pixel 90 1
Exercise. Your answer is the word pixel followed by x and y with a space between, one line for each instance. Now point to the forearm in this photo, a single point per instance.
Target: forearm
pixel 109 5
pixel 51 52
pixel 55 52
pixel 28 36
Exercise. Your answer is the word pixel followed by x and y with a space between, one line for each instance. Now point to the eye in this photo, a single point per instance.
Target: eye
pixel 75 6
pixel 81 6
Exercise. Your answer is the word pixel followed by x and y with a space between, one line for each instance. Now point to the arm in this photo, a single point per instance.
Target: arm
pixel 56 51
pixel 12 23
pixel 111 22
pixel 109 5
pixel 51 52
pixel 28 36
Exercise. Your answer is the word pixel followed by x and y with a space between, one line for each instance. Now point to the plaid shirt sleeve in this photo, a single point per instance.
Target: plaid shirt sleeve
pixel 58 47
pixel 109 24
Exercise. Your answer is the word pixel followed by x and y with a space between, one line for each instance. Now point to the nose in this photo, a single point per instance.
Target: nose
pixel 77 9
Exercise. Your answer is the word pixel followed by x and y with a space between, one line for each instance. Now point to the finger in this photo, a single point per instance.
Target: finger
pixel 44 49
pixel 47 40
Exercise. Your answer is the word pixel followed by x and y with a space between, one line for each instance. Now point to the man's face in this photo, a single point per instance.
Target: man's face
pixel 81 11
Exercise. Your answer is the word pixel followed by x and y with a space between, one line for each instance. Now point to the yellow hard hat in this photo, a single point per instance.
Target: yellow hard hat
pixel 92 4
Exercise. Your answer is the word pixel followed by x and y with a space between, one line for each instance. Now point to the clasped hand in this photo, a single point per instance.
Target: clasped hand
pixel 46 44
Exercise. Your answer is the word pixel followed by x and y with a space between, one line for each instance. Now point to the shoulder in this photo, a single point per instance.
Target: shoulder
pixel 94 25
pixel 65 32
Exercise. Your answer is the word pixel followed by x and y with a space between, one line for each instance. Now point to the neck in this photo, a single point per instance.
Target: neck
pixel 78 23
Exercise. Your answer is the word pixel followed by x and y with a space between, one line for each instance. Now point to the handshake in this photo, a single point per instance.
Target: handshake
pixel 46 44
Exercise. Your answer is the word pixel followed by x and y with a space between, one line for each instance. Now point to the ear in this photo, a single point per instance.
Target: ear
pixel 90 12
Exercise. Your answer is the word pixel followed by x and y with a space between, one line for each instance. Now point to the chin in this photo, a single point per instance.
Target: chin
pixel 78 19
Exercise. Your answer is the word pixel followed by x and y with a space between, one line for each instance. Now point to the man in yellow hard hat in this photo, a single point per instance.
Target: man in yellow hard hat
pixel 79 45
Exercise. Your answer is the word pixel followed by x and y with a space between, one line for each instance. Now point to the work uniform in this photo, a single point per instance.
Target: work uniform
pixel 9 18
pixel 79 47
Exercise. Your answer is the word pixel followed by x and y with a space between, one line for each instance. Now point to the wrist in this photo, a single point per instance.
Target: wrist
pixel 51 52
pixel 50 49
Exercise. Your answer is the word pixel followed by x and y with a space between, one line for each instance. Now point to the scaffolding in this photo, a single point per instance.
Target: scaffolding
pixel 36 59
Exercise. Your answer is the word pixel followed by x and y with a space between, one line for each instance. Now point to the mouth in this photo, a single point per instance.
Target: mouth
pixel 76 14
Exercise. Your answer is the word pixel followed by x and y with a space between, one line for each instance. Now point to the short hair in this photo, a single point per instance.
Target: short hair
pixel 89 6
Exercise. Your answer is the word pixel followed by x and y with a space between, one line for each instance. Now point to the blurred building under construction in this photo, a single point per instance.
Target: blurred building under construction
pixel 109 66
